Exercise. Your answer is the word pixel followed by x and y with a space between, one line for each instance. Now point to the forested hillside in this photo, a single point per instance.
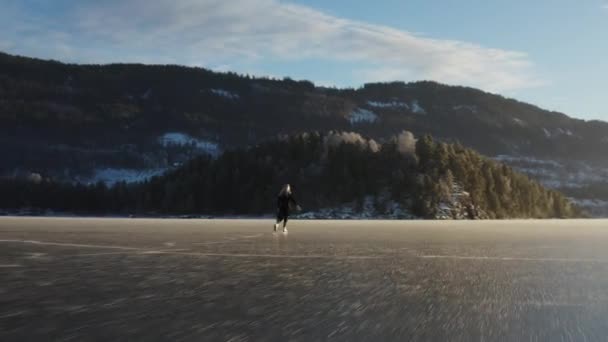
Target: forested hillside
pixel 129 122
pixel 326 170
pixel 56 116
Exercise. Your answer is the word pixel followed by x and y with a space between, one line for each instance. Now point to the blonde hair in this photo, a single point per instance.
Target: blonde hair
pixel 286 190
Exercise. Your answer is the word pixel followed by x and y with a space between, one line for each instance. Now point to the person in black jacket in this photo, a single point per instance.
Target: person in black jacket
pixel 284 201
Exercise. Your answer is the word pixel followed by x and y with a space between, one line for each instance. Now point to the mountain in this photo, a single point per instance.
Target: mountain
pixel 336 175
pixel 130 122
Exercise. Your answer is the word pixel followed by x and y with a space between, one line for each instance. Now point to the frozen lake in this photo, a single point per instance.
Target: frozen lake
pixel 192 280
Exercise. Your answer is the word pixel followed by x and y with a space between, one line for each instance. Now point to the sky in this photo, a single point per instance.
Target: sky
pixel 551 53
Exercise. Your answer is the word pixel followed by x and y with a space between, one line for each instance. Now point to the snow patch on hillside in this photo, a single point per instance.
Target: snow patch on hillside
pixel 225 93
pixel 557 132
pixel 416 108
pixel 360 115
pixel 530 160
pixel 564 131
pixel 595 203
pixel 111 176
pixel 520 122
pixel 181 139
pixel 554 174
pixel 595 207
pixel 390 104
pixel 470 108
pixel 147 94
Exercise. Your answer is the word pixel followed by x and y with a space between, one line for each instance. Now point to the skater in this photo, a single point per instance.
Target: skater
pixel 284 200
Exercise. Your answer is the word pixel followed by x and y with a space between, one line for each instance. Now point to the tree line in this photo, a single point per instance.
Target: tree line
pixel 325 170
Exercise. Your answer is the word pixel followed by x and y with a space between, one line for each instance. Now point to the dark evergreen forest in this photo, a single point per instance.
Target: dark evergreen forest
pixel 324 169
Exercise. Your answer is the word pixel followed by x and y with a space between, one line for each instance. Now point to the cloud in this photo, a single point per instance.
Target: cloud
pixel 219 32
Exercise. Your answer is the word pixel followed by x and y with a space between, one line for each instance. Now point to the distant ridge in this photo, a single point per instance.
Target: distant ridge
pixel 75 122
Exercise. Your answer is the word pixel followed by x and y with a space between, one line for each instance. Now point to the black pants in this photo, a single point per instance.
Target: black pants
pixel 282 215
